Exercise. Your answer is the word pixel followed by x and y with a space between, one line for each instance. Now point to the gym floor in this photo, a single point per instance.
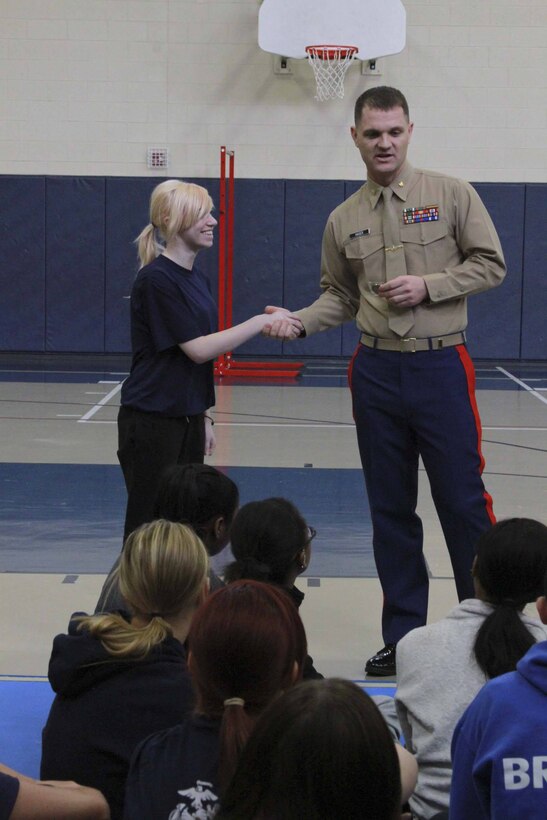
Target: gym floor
pixel 63 497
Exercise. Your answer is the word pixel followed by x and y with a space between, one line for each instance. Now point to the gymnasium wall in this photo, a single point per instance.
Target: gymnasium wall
pixel 86 86
pixel 68 262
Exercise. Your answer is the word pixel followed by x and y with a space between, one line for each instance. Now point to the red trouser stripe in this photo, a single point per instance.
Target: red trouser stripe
pixel 350 367
pixel 470 375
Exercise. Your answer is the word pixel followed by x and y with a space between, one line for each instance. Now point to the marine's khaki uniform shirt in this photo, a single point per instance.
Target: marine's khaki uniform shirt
pixel 457 255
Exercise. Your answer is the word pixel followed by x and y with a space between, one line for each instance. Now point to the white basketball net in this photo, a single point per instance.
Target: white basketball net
pixel 329 65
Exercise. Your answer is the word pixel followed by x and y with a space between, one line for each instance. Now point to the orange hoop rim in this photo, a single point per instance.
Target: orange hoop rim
pixel 331 52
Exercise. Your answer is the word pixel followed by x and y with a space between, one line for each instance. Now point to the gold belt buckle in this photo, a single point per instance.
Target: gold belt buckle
pixel 405 348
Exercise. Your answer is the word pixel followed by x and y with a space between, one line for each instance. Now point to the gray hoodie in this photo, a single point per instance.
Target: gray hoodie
pixel 437 678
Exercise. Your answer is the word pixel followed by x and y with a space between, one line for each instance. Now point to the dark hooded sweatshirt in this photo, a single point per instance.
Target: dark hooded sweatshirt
pixel 104 706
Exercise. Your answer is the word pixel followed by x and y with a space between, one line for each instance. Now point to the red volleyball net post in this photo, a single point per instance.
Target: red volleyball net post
pixel 225 365
pixel 222 363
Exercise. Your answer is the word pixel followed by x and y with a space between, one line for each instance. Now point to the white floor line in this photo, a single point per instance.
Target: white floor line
pixel 340 426
pixel 325 426
pixel 513 429
pixel 522 384
pixel 100 404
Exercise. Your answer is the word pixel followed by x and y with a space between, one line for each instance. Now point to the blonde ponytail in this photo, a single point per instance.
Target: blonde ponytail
pixel 121 639
pixel 162 572
pixel 147 245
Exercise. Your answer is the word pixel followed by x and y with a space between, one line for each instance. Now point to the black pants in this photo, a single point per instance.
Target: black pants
pixel 147 445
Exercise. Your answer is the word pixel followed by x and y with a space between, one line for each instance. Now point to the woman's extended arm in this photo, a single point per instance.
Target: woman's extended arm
pixel 205 348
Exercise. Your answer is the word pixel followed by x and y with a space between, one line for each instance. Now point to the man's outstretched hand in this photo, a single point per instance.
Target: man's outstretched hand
pixel 283 326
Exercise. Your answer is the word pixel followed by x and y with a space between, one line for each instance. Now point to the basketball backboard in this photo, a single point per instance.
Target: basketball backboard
pixel 376 27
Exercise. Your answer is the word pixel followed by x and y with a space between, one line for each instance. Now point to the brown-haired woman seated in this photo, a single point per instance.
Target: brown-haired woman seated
pixel 246 645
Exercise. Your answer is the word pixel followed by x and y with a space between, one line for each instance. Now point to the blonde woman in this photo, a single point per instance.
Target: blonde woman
pixel 119 679
pixel 165 416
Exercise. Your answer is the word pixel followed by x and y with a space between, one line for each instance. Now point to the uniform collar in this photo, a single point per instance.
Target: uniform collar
pixel 399 186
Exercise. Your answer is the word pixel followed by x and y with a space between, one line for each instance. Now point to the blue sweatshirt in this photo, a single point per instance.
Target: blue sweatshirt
pixel 499 748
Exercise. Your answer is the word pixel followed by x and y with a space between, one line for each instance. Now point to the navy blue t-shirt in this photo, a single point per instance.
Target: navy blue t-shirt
pixel 170 305
pixel 174 773
pixel 9 789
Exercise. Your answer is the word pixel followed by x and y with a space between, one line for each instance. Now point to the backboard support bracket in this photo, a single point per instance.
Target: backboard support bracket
pixel 282 65
pixel 372 68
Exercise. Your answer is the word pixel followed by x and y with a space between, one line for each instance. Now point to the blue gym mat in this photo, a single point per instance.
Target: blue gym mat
pixel 68 518
pixel 24 707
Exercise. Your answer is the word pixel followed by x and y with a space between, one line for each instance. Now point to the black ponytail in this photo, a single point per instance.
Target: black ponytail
pixel 510 567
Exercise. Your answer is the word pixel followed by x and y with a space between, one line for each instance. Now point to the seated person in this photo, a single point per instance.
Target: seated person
pixel 442 666
pixel 193 494
pixel 499 748
pixel 119 678
pixel 321 751
pixel 23 798
pixel 271 542
pixel 246 645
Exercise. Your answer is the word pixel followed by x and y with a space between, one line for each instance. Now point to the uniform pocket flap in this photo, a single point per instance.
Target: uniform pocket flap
pixel 362 246
pixel 422 233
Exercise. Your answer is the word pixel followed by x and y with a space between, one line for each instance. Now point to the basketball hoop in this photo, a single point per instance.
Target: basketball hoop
pixel 329 65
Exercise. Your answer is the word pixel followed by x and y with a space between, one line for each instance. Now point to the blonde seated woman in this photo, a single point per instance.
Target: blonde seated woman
pixel 23 798
pixel 119 679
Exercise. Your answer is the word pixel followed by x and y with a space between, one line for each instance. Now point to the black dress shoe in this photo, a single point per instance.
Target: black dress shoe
pixel 382 664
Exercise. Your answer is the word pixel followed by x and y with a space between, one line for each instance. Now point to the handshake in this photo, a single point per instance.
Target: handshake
pixel 282 324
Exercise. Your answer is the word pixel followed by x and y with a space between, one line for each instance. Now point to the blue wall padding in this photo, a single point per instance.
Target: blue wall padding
pixel 126 214
pixel 69 260
pixel 495 316
pixel 208 261
pixel 23 264
pixel 307 207
pixel 258 255
pixel 75 297
pixel 534 325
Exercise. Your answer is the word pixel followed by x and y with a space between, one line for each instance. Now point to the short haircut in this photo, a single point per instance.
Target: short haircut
pixel 195 494
pixel 384 98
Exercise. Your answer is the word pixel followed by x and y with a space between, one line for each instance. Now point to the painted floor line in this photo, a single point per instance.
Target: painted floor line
pixel 325 426
pixel 522 384
pixel 103 401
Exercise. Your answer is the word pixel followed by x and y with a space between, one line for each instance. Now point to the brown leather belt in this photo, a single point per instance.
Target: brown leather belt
pixel 413 345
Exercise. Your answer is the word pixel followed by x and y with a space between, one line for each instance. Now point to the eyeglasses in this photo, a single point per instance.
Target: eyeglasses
pixel 312 532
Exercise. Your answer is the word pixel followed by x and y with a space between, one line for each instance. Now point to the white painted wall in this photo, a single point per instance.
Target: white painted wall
pixel 87 85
